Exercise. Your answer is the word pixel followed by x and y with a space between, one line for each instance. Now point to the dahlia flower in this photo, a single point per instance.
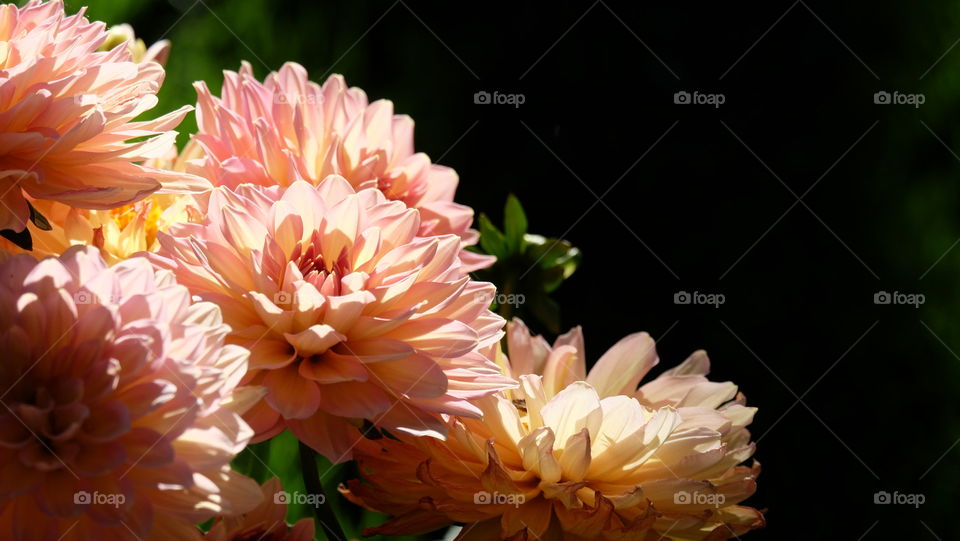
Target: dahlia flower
pixel 267 522
pixel 576 460
pixel 67 113
pixel 348 313
pixel 119 410
pixel 118 233
pixel 289 128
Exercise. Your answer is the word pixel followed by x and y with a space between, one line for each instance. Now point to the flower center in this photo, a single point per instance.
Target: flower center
pixel 43 427
pixel 145 210
pixel 320 271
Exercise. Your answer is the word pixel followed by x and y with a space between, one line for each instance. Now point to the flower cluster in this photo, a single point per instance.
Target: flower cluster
pixel 299 271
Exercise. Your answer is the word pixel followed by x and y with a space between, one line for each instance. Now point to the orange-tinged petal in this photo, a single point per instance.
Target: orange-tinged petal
pixel 292 395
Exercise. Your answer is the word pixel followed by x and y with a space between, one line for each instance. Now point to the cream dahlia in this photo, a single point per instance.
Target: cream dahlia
pixel 348 313
pixel 585 460
pixel 119 414
pixel 267 522
pixel 123 34
pixel 289 128
pixel 66 113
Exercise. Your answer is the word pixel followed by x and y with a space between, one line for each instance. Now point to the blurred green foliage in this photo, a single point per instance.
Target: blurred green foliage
pixel 280 457
pixel 529 267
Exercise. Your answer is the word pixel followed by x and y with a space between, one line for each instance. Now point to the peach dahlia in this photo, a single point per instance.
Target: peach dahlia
pixel 349 314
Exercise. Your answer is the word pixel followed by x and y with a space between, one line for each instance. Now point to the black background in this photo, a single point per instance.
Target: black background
pixel 854 397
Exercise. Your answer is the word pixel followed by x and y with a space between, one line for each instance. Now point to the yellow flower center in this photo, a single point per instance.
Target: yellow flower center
pixel 149 212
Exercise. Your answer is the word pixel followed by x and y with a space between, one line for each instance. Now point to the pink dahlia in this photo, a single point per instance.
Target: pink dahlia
pixel 348 313
pixel 66 113
pixel 119 412
pixel 289 128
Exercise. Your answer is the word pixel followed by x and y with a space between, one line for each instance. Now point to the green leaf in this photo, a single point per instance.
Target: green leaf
pixel 515 224
pixel 38 219
pixel 546 310
pixel 491 239
pixel 569 261
pixel 558 258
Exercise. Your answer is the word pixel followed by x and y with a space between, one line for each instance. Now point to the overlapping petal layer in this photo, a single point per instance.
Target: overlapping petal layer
pixel 67 110
pixel 289 128
pixel 348 312
pixel 574 456
pixel 121 414
pixel 267 522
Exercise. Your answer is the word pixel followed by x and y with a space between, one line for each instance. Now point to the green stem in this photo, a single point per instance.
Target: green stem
pixel 505 310
pixel 325 518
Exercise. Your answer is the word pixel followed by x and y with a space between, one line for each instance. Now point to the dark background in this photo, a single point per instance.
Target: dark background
pixel 854 397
